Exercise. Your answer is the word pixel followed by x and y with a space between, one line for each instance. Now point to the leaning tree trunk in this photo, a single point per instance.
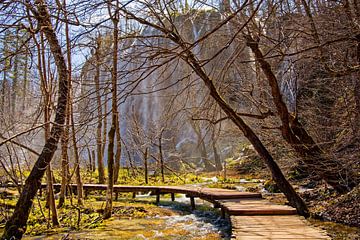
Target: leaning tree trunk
pixel 342 180
pixel 16 226
pixel 291 195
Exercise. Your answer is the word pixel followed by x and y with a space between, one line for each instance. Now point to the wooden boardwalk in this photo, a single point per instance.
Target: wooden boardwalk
pixel 256 227
pixel 252 217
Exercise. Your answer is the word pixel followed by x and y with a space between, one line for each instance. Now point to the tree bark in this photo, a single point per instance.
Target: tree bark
pixel 64 159
pixel 146 166
pixel 89 169
pixel 118 150
pixel 161 157
pixel 15 227
pixel 357 92
pixel 105 119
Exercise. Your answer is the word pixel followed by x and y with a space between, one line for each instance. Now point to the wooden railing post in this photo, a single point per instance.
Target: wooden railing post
pixel 157 196
pixel 192 202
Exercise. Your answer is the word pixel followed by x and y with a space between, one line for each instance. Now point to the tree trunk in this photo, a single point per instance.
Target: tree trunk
pixel 79 185
pixel 5 82
pixel 70 111
pixel 105 117
pixel 130 161
pixel 202 147
pixel 47 90
pixel 93 160
pixel 217 158
pixel 114 110
pixel 293 198
pixel 89 169
pixel 146 166
pixel 161 157
pixel 118 151
pixel 15 78
pixel 357 92
pixel 99 110
pixel 342 180
pixel 51 197
pixel 64 160
pixel 15 227
pixel 25 81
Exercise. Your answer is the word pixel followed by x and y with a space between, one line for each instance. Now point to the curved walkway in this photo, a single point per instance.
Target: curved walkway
pixel 252 217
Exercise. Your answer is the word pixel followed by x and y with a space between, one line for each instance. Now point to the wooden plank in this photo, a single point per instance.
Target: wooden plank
pixel 256 207
pixel 237 212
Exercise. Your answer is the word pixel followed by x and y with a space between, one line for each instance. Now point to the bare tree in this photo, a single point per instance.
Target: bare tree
pixel 16 225
pixel 114 16
pixel 188 56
